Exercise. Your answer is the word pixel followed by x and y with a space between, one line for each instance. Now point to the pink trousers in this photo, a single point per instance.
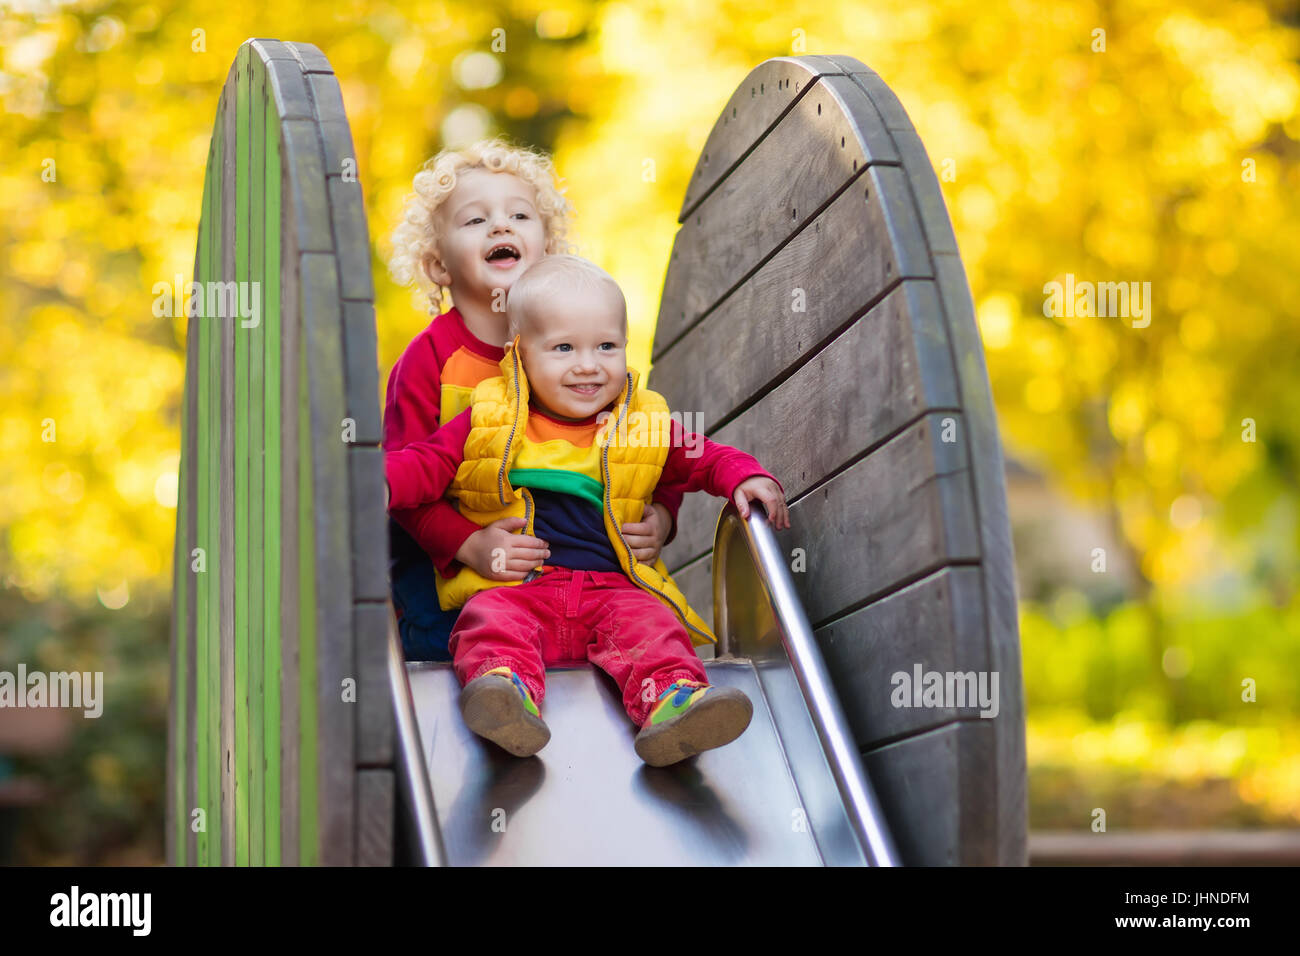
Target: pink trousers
pixel 570 617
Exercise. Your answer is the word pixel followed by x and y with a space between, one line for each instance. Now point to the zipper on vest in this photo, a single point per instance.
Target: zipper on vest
pixel 613 520
pixel 514 425
pixel 505 459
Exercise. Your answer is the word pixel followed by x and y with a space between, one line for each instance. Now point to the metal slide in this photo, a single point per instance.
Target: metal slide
pixel 791 791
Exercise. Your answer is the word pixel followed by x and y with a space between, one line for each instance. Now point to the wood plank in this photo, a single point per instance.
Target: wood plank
pixel 761 99
pixel 311 58
pixel 886 101
pixel 696 582
pixel 937 623
pixel 729 235
pixel 892 517
pixel 331 116
pixel 322 324
pixel 257 469
pixel 348 211
pixel 369 526
pixel 227 479
pixel 729 357
pixel 207 540
pixel 271 49
pixel 1003 624
pixel 242 145
pixel 374 709
pixel 193 436
pixel 888 368
pixel 291 602
pixel 305 198
pixel 306 742
pixel 376 813
pixel 275 445
pixel 361 355
pixel 899 513
pixel 921 516
pixel 215 554
pixel 173 829
pixel 288 89
pixel 936 793
pixel 985 453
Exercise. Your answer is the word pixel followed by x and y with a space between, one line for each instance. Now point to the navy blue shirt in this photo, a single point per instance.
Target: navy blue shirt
pixel 575 530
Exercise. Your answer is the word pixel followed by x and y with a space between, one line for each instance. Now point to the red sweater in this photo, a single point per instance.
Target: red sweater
pixel 427 388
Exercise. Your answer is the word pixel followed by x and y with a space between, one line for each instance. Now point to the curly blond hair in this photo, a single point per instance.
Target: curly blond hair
pixel 416 236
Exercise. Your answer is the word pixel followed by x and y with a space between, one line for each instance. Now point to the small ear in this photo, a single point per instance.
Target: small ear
pixel 433 268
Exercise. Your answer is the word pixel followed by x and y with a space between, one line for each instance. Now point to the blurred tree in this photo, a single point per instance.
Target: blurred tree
pixel 1140 142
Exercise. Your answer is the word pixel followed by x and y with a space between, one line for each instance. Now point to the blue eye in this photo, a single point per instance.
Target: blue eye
pixel 564 346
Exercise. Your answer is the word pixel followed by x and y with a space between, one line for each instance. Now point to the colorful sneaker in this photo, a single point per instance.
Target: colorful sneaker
pixel 497 705
pixel 690 718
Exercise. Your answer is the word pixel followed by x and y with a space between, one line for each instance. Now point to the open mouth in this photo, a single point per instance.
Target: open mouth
pixel 504 253
pixel 586 389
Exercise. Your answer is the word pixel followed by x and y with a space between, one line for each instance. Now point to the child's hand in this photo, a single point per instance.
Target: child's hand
pixel 499 554
pixel 769 493
pixel 647 536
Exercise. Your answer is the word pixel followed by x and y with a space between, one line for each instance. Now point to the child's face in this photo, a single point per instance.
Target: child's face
pixel 575 354
pixel 489 233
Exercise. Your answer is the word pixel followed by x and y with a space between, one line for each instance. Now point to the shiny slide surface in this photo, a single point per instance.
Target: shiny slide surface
pixel 788 792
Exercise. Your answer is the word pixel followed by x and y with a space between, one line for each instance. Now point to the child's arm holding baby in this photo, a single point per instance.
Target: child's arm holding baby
pixel 422 474
pixel 422 471
pixel 418 475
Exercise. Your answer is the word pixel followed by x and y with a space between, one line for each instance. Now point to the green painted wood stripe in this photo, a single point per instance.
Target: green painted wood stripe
pixel 229 517
pixel 213 711
pixel 180 630
pixel 271 530
pixel 203 465
pixel 308 786
pixel 241 469
pixel 256 446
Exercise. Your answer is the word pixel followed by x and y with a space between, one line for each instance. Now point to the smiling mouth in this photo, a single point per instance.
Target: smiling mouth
pixel 505 252
pixel 586 389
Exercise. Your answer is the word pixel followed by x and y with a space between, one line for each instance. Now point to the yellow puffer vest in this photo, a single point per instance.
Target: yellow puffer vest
pixel 631 469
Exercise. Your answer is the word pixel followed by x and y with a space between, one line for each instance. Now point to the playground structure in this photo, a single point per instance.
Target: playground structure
pixel 815 313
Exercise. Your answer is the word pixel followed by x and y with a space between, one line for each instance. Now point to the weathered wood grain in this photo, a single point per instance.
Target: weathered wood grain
pixel 257 464
pixel 321 320
pixel 755 337
pixel 733 230
pixel 873 409
pixel 764 96
pixel 935 790
pixel 226 567
pixel 376 813
pixel 884 371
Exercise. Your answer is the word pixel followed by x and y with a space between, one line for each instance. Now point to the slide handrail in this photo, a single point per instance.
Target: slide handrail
pixel 413 774
pixel 796 639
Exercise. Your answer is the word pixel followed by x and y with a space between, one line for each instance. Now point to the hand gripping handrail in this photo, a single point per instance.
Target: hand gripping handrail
pixel 805 658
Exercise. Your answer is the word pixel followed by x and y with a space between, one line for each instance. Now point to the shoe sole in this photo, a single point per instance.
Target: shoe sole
pixel 715 721
pixel 494 710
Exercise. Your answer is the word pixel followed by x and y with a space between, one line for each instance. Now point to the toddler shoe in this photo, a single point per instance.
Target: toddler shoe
pixel 690 718
pixel 498 706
